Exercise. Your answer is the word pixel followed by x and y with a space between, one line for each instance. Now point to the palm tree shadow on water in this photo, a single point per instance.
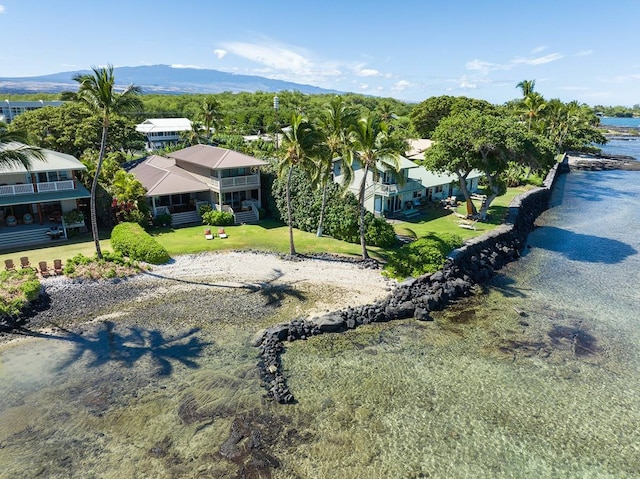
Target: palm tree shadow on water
pixel 128 347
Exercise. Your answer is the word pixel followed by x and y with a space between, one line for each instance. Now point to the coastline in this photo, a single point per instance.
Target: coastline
pixel 337 284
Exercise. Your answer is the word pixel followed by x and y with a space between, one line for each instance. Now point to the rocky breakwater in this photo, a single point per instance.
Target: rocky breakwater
pixel 465 268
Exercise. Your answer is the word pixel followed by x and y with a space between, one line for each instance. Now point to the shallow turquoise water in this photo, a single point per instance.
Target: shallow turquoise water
pixel 539 377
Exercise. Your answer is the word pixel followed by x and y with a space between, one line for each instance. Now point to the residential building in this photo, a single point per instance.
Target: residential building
pixel 10 109
pixel 386 192
pixel 161 132
pixel 438 185
pixel 35 200
pixel 182 181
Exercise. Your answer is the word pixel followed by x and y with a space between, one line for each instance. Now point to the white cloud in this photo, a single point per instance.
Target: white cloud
pixel 584 53
pixel 364 86
pixel 467 83
pixel 538 49
pixel 2 9
pixel 401 85
pixel 484 67
pixel 220 53
pixel 180 65
pixel 368 72
pixel 552 57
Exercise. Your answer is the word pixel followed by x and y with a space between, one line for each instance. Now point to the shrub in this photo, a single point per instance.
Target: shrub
pixel 426 255
pixel 378 232
pixel 165 219
pixel 17 289
pixel 129 239
pixel 110 266
pixel 204 209
pixel 217 218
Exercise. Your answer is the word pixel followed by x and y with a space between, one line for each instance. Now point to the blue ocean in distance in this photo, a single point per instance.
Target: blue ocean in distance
pixel 622 145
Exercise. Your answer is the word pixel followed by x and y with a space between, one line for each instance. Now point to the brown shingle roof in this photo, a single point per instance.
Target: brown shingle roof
pixel 215 158
pixel 160 176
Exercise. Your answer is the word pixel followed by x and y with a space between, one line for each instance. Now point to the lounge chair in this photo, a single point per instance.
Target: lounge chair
pixel 57 266
pixel 207 234
pixel 43 269
pixel 11 221
pixel 221 233
pixel 24 262
pixel 27 219
pixel 8 265
pixel 469 225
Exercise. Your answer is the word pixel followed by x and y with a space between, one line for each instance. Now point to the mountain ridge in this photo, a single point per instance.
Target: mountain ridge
pixel 161 79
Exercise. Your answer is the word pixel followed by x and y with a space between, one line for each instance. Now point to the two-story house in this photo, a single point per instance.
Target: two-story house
pixel 160 132
pixel 387 192
pixel 34 200
pixel 201 174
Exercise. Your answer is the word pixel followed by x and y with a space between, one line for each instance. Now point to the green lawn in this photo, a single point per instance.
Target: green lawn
pixel 271 235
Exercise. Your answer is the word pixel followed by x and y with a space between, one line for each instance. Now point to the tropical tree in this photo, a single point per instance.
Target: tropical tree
pixel 14 151
pixel 300 144
pixel 527 87
pixel 210 116
pixel 97 92
pixel 370 146
pixel 533 105
pixel 335 121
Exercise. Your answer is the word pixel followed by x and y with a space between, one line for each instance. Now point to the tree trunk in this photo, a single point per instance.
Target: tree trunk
pixel 462 180
pixel 94 191
pixel 494 194
pixel 363 241
pixel 322 207
pixel 292 250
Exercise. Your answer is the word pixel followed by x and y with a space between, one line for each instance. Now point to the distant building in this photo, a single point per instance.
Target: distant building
pixel 161 132
pixel 10 109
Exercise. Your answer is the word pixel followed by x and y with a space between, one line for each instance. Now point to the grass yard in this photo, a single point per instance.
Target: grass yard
pixel 271 235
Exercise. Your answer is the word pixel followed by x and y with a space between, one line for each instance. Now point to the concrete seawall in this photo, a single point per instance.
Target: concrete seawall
pixel 466 267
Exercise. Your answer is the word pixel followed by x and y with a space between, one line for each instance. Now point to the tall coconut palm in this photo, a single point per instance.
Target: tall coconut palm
pixel 369 146
pixel 14 151
pixel 210 116
pixel 527 87
pixel 533 105
pixel 300 144
pixel 335 122
pixel 97 92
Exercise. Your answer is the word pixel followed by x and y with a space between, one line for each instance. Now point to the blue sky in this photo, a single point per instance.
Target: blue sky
pixel 406 49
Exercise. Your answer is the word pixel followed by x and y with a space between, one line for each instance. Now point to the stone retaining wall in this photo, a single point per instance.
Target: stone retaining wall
pixel 472 264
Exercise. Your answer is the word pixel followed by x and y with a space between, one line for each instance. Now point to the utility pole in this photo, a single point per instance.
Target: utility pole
pixel 276 107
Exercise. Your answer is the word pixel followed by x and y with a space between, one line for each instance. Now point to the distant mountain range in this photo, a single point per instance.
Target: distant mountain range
pixel 160 79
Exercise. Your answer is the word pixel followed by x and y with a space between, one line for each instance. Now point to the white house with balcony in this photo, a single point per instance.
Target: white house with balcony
pixel 34 200
pixel 182 181
pixel 161 132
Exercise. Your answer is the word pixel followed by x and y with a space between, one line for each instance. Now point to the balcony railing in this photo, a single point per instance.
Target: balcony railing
pixel 394 189
pixel 234 181
pixel 11 190
pixel 56 186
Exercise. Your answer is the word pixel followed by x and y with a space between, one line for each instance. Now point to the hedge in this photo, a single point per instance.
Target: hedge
pixel 129 239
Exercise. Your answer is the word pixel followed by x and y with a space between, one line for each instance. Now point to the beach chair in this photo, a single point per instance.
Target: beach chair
pixel 8 265
pixel 24 262
pixel 207 234
pixel 43 269
pixel 469 225
pixel 57 266
pixel 222 233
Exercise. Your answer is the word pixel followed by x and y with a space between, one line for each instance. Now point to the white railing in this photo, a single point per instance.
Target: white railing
pixel 56 186
pixel 9 190
pixel 235 181
pixel 393 189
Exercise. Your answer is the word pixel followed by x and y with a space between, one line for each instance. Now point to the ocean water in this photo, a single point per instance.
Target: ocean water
pixel 537 376
pixel 622 122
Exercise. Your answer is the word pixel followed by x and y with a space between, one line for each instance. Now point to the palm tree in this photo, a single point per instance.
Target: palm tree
pixel 299 147
pixel 527 87
pixel 97 92
pixel 533 105
pixel 370 145
pixel 335 124
pixel 210 116
pixel 14 151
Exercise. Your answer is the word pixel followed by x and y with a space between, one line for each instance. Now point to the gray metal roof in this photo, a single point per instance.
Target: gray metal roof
pixel 53 161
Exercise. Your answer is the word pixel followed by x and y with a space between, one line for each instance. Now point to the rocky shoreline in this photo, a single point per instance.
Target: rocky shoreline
pixel 467 268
